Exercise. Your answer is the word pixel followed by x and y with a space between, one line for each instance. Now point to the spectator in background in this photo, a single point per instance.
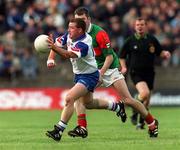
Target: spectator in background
pixel 58 19
pixel 131 15
pixel 31 29
pixel 56 14
pixel 175 24
pixel 116 33
pixel 15 19
pixel 29 65
pixel 9 39
pixel 49 27
pixel 1 55
pixel 63 7
pixel 176 56
pixel 41 8
pixel 10 64
pixel 29 14
pixel 6 64
pixel 10 67
pixel 2 16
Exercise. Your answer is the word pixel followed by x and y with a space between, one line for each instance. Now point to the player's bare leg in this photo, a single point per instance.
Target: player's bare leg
pixel 144 98
pixel 77 91
pixel 80 130
pixel 122 89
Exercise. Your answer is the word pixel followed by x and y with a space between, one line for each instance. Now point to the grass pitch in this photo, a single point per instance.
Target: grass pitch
pixel 25 130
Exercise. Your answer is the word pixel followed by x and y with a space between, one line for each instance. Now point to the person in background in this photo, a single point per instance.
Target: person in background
pixel 29 65
pixel 139 52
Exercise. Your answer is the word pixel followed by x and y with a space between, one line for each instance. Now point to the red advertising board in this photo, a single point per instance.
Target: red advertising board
pixel 43 98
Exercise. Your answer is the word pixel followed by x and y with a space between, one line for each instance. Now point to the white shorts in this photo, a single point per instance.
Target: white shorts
pixel 111 76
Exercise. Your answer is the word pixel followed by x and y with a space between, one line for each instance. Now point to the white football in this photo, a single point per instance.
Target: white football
pixel 41 44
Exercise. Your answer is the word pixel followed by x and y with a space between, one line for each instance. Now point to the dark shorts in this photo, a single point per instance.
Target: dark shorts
pixel 148 77
pixel 89 80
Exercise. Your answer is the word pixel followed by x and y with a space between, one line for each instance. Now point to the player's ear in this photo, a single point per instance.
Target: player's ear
pixel 80 30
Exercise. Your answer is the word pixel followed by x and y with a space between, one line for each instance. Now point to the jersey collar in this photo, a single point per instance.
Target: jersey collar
pixel 138 36
pixel 89 28
pixel 79 38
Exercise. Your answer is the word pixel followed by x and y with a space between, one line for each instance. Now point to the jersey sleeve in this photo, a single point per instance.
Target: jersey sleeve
pixel 61 41
pixel 80 49
pixel 104 43
pixel 158 46
pixel 124 50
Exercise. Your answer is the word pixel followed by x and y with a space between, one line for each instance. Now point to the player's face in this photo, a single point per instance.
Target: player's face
pixel 73 31
pixel 86 19
pixel 140 26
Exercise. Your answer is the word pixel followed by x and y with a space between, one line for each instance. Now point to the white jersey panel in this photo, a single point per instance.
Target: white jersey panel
pixel 82 47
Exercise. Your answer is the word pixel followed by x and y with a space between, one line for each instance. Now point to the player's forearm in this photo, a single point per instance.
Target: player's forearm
pixel 123 63
pixel 64 53
pixel 52 55
pixel 61 52
pixel 107 64
pixel 123 66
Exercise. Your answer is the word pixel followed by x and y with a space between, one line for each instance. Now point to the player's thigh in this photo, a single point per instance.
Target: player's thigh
pixel 77 91
pixel 121 87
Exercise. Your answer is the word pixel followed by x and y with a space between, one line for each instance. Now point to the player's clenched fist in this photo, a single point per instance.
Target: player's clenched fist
pixel 51 63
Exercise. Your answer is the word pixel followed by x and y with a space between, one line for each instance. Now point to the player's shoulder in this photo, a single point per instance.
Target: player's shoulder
pixel 129 38
pixel 87 35
pixel 97 29
pixel 149 35
pixel 152 37
pixel 87 39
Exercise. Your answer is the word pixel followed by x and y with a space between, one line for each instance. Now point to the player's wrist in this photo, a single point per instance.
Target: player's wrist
pixel 50 61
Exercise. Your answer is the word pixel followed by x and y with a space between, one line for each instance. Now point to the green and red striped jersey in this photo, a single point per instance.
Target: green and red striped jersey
pixel 102 46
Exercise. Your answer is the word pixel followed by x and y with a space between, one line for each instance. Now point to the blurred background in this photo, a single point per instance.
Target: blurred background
pixel 21 21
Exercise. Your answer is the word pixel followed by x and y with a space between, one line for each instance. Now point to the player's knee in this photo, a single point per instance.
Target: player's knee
pixel 144 95
pixel 69 100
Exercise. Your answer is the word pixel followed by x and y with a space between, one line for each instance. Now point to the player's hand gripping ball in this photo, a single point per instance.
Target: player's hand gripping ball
pixel 41 44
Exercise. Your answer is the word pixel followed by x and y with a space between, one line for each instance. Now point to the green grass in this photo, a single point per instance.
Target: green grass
pixel 25 130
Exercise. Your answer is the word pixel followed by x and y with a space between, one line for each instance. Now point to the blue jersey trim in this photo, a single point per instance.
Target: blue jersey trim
pixel 80 37
pixel 64 38
pixel 83 48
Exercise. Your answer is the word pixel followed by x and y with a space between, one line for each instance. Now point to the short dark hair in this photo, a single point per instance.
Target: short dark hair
pixel 81 11
pixel 80 23
pixel 140 19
